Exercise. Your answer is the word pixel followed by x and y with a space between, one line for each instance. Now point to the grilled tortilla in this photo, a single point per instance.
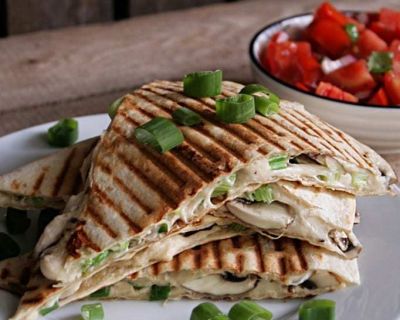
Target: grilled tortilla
pixel 41 293
pixel 251 267
pixel 132 190
pixel 47 182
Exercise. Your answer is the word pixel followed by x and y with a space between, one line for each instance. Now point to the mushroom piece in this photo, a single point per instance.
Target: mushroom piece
pixel 217 285
pixel 265 216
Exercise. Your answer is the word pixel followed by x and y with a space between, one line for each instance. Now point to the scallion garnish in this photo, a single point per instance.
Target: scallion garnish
pixel 159 292
pixel 262 194
pixel 101 293
pixel 224 186
pixel 207 311
pixel 17 221
pixel 202 84
pixel 359 180
pixel 92 311
pixel 186 117
pixel 8 247
pixel 266 102
pixel 352 32
pixel 235 109
pixel 47 310
pixel 160 133
pixel 113 108
pixel 278 162
pixel 163 228
pixel 249 310
pixel 380 62
pixel 64 133
pixel 317 309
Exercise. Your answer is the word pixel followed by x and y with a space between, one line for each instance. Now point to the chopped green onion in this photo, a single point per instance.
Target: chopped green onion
pixel 236 109
pixel 8 247
pixel 163 228
pixel 266 102
pixel 380 62
pixel 113 108
pixel 278 162
pixel 45 311
pixel 160 133
pixel 97 260
pixel 224 185
pixel 202 84
pixel 262 194
pixel 101 293
pixel 317 309
pixel 237 227
pixel 359 180
pixel 249 310
pixel 17 221
pixel 207 311
pixel 119 247
pixel 186 117
pixel 352 31
pixel 92 311
pixel 44 219
pixel 322 177
pixel 159 292
pixel 64 133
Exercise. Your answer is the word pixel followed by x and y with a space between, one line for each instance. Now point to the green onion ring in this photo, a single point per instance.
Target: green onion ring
pixel 235 109
pixel 186 117
pixel 248 310
pixel 266 102
pixel 202 84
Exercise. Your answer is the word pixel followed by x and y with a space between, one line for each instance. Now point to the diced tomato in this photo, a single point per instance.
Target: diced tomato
pixel 367 42
pixel 354 78
pixel 302 86
pixel 392 87
pixel 328 90
pixel 395 48
pixel 292 62
pixel 379 98
pixel 326 11
pixel 388 26
pixel 330 37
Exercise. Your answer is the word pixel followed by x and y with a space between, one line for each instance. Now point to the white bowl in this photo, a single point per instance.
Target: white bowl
pixel 376 126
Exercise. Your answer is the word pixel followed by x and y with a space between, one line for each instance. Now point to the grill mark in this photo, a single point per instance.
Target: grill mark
pixel 320 135
pixel 261 132
pixel 300 254
pixel 175 263
pixel 197 259
pixel 130 193
pixel 103 197
pixel 216 253
pixel 36 300
pixel 64 170
pixel 240 263
pixel 235 242
pixel 259 252
pixel 155 269
pixel 164 195
pixel 282 265
pixel 96 217
pixel 38 182
pixel 222 143
pixel 278 245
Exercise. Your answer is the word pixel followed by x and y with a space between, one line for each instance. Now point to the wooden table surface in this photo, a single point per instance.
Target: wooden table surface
pixel 76 71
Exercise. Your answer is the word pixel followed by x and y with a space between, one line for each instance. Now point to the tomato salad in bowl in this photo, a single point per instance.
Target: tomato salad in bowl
pixel 353 57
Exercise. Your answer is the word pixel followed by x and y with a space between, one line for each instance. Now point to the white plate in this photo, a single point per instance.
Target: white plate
pixel 377 298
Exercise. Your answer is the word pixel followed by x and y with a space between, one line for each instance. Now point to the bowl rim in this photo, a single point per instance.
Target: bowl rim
pixel 259 66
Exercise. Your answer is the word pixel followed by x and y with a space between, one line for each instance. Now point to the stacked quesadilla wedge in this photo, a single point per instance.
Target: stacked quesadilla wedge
pixel 132 192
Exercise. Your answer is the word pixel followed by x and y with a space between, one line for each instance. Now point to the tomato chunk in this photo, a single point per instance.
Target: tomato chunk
pixel 354 77
pixel 392 87
pixel 292 62
pixel 367 42
pixel 379 98
pixel 395 48
pixel 388 25
pixel 330 37
pixel 326 11
pixel 328 90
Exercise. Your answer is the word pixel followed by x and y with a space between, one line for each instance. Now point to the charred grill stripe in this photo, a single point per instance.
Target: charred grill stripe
pixel 235 242
pixel 155 269
pixel 64 170
pixel 264 133
pixel 38 182
pixel 35 301
pixel 240 263
pixel 259 253
pixel 130 193
pixel 300 254
pixel 176 263
pixel 99 221
pixel 103 197
pixel 197 259
pixel 282 265
pixel 306 126
pixel 217 254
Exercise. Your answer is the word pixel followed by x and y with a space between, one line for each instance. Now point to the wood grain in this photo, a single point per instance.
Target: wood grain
pixel 32 15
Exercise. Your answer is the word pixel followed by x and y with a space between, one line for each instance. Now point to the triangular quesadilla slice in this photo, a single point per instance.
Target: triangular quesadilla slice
pixel 242 267
pixel 47 182
pixel 132 190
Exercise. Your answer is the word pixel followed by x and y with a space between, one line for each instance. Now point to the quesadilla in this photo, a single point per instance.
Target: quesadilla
pixel 242 267
pixel 142 189
pixel 47 182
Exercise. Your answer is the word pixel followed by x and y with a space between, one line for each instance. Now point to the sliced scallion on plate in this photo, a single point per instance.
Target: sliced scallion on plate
pixel 249 310
pixel 207 311
pixel 317 309
pixel 92 311
pixel 64 133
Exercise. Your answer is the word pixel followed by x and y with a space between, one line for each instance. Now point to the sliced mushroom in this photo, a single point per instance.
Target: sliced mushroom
pixel 265 216
pixel 217 285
